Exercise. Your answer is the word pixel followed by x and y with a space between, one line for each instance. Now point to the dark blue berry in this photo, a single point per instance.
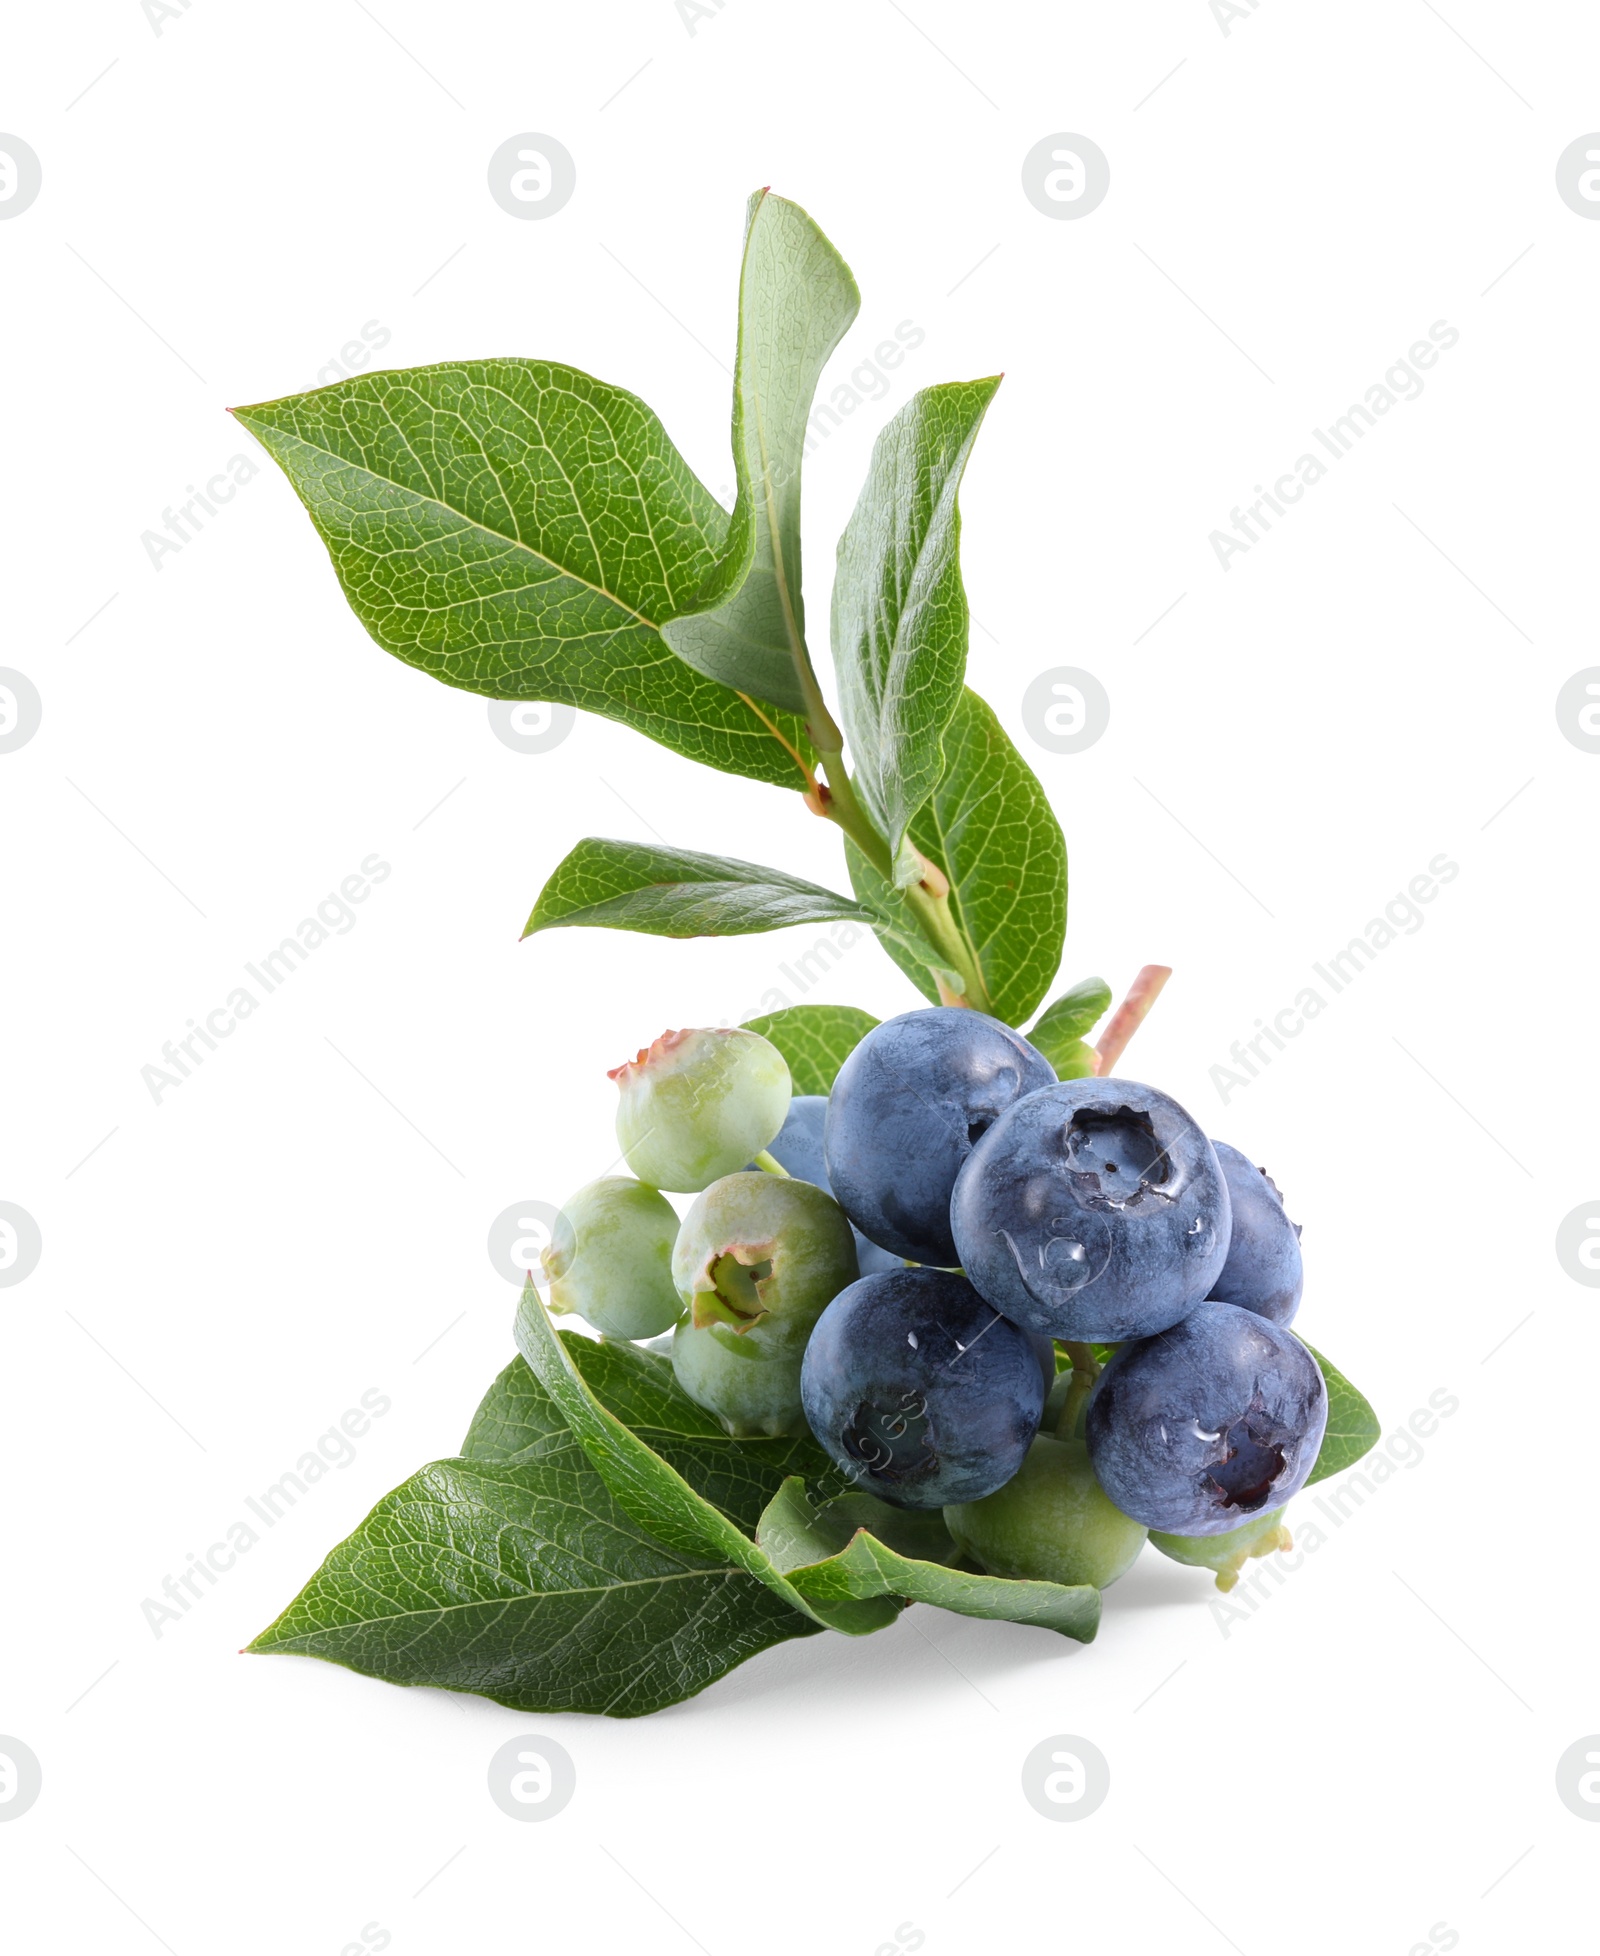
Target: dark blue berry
pixel 920 1392
pixel 1263 1272
pixel 1194 1431
pixel 909 1106
pixel 1093 1210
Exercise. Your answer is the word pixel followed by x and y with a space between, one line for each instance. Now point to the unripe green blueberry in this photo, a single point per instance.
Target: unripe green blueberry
pixel 699 1104
pixel 1051 1522
pixel 1227 1554
pixel 750 1380
pixel 610 1259
pixel 758 1260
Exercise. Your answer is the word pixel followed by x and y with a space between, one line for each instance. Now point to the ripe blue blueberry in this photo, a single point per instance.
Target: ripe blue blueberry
pixel 1219 1419
pixel 1094 1210
pixel 798 1148
pixel 1045 1351
pixel 908 1107
pixel 919 1391
pixel 1263 1272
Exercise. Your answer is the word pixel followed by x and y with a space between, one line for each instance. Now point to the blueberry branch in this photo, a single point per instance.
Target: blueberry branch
pixel 928 899
pixel 954 966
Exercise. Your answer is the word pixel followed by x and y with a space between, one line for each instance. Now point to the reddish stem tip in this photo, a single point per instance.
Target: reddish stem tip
pixel 1130 1015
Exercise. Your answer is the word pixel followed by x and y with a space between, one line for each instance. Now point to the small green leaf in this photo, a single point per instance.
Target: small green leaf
pixel 816 1040
pixel 899 609
pixel 657 1497
pixel 1058 1031
pixel 1073 1015
pixel 796 298
pixel 866 1568
pixel 990 827
pixel 680 893
pixel 799 1527
pixel 1353 1428
pixel 520 529
pixel 1073 1059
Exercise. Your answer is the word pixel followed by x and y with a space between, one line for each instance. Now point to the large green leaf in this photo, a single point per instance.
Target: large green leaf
pixel 990 827
pixel 658 1497
pixel 796 298
pixel 1353 1428
pixel 805 1542
pixel 816 1040
pixel 680 893
pixel 899 609
pixel 527 1581
pixel 514 1572
pixel 1059 1030
pixel 514 1414
pixel 520 529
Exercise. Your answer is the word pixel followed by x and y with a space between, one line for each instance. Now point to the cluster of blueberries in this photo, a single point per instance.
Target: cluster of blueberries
pixel 926 1268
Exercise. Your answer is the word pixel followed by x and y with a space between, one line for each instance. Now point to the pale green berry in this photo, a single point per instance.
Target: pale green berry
pixel 1051 1522
pixel 1227 1554
pixel 758 1260
pixel 699 1104
pixel 749 1380
pixel 610 1259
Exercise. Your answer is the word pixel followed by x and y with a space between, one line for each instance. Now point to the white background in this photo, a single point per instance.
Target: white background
pixel 1363 1758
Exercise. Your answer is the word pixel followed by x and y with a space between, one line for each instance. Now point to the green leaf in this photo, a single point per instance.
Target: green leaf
pixel 515 1572
pixel 801 1527
pixel 1073 1015
pixel 738 1477
pixel 1073 1059
pixel 1353 1428
pixel 680 893
pixel 658 1497
pixel 520 529
pixel 526 1581
pixel 990 827
pixel 514 1414
pixel 1058 1031
pixel 899 609
pixel 866 1567
pixel 816 1040
pixel 796 298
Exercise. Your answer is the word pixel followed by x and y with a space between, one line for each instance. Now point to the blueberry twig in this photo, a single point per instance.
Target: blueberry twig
pixel 1130 1015
pixel 927 899
pixel 954 967
pixel 1085 1370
